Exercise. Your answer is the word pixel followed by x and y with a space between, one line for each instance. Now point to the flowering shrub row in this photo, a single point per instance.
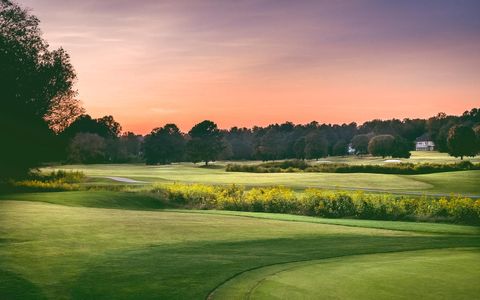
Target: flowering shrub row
pixel 322 203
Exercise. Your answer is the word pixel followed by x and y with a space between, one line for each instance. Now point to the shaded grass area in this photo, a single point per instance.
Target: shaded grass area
pixel 98 199
pixel 95 253
pixel 428 274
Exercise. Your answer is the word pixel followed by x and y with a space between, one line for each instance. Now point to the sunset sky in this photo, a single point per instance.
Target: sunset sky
pixel 248 63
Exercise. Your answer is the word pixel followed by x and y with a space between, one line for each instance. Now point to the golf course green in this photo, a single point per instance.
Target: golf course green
pixel 106 245
pixel 425 274
pixel 459 182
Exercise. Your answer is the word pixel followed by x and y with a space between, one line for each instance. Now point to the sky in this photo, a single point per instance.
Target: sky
pixel 257 62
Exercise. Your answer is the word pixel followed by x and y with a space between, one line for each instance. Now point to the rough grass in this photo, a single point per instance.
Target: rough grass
pixel 59 252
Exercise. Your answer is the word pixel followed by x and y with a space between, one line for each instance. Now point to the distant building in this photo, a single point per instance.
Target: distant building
pixel 424 143
pixel 351 150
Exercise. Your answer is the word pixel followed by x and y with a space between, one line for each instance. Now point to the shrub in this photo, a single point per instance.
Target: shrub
pixel 274 199
pixel 46 182
pixel 322 203
pixel 328 204
pixel 396 168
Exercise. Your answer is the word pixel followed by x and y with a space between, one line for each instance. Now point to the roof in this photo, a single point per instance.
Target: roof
pixel 424 138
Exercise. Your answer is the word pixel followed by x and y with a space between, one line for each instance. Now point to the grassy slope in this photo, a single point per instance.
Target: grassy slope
pixel 138 201
pixel 85 252
pixel 427 274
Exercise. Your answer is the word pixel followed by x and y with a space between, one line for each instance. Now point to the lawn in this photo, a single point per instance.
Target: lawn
pixel 92 245
pixel 462 182
pixel 424 274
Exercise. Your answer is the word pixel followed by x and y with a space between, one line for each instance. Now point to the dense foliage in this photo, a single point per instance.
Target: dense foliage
pixel 462 141
pixel 322 203
pixel 36 92
pixel 289 166
pixel 45 182
pixel 164 145
pixel 205 142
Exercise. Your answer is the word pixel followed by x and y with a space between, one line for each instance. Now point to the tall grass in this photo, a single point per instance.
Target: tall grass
pixel 322 203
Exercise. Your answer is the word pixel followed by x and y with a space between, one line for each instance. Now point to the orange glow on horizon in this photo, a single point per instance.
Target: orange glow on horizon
pixel 240 64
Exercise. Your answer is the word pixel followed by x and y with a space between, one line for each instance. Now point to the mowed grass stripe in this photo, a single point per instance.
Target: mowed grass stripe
pixel 424 274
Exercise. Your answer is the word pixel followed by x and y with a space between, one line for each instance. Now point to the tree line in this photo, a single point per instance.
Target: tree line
pixel 99 140
pixel 41 120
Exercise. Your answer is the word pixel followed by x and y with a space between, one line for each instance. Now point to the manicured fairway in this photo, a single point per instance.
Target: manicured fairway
pixel 74 252
pixel 427 274
pixel 464 182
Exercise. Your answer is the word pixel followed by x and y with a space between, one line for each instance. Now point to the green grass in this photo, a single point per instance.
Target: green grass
pixel 121 245
pixel 463 182
pixel 416 157
pixel 82 250
pixel 427 274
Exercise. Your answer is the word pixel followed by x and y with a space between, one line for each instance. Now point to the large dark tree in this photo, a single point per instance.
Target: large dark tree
pixel 316 146
pixel 401 147
pixel 87 148
pixel 461 141
pixel 105 127
pixel 340 148
pixel 477 134
pixel 205 142
pixel 381 145
pixel 36 92
pixel 360 143
pixel 164 145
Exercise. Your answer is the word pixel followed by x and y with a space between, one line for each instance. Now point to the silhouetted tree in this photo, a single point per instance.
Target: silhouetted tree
pixel 381 145
pixel 299 148
pixel 340 148
pixel 477 134
pixel 316 146
pixel 205 142
pixel 360 143
pixel 105 127
pixel 401 147
pixel 164 145
pixel 241 143
pixel 125 149
pixel 36 90
pixel 270 146
pixel 87 148
pixel 461 141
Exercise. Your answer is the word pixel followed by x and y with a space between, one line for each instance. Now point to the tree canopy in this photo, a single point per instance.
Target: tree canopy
pixel 36 92
pixel 462 141
pixel 205 142
pixel 164 145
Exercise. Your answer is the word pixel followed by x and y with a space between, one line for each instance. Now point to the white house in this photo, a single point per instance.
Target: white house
pixel 424 143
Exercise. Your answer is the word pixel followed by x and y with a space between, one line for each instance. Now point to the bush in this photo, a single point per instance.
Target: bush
pixel 274 199
pixel 396 168
pixel 46 182
pixel 322 203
